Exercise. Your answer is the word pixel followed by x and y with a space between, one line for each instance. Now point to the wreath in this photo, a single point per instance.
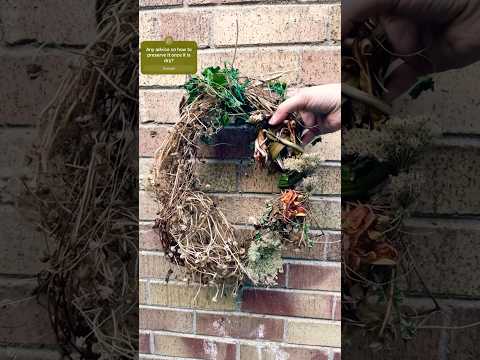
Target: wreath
pixel 193 230
pixel 380 186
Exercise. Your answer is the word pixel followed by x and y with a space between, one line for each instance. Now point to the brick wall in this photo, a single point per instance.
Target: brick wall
pixel 300 319
pixel 29 78
pixel 445 228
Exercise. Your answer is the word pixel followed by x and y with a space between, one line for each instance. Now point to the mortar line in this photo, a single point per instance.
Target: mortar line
pixel 242 314
pixel 241 6
pixel 251 342
pixel 237 351
pixel 444 338
pixel 151 339
pixel 194 319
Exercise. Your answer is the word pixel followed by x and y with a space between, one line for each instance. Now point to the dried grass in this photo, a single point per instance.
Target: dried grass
pixel 83 190
pixel 193 230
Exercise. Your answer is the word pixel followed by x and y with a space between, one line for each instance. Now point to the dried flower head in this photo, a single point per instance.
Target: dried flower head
pixel 400 141
pixel 305 163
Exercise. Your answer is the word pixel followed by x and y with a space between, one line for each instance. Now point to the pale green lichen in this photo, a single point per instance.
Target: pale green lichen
pixel 265 258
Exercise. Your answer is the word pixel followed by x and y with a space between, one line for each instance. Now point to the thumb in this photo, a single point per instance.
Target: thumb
pixel 293 104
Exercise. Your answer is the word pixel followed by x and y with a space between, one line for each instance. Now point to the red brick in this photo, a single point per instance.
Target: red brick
pixel 179 346
pixel 451 105
pixel 258 62
pixel 23 319
pixel 324 249
pixel 159 267
pixel 316 277
pixel 54 21
pixel 462 343
pixel 213 176
pixel 274 302
pixel 243 327
pixel 247 209
pixel 277 352
pixel 170 320
pixel 144 343
pixel 142 291
pixel 151 138
pixel 144 173
pixel 29 92
pixel 147 206
pixel 334 22
pixel 337 315
pixel 424 345
pixel 308 332
pixel 282 278
pixel 160 106
pixel 286 24
pixel 191 297
pixel 20 353
pixel 320 66
pixel 255 179
pixel 159 3
pixel 149 239
pixel 316 252
pixel 230 143
pixel 23 244
pixel 297 353
pixel 217 176
pixel 241 209
pixel 164 80
pixel 188 24
pixel 210 2
pixel 330 146
pixel 450 180
pixel 17 143
pixel 334 249
pixel 445 254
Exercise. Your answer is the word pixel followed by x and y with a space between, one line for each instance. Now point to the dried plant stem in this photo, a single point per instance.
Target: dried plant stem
pixel 359 95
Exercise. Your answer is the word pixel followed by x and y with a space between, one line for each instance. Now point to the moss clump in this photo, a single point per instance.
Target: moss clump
pixel 265 258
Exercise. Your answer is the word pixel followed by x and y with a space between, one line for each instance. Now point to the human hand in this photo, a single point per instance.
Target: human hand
pixel 444 34
pixel 319 107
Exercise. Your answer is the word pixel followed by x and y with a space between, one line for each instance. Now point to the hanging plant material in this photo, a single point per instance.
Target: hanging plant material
pixel 84 187
pixel 379 187
pixel 193 230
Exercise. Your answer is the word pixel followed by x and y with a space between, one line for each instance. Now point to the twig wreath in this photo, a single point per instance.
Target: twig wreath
pixel 194 232
pixel 380 185
pixel 84 191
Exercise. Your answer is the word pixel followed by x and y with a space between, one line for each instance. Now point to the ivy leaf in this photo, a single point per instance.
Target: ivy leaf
pixel 280 88
pixel 423 84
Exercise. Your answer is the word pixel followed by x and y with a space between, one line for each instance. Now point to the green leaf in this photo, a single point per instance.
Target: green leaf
pixel 280 88
pixel 423 84
pixel 290 179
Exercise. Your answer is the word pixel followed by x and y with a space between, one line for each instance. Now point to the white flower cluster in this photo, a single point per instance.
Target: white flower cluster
pixel 305 163
pixel 399 141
